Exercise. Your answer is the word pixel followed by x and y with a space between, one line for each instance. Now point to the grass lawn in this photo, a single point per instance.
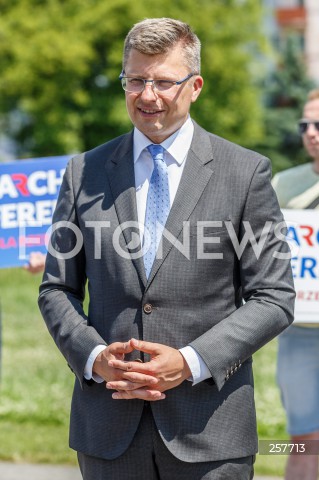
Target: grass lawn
pixel 36 384
pixel 270 414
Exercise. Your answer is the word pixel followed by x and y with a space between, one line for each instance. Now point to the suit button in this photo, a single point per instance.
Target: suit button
pixel 147 308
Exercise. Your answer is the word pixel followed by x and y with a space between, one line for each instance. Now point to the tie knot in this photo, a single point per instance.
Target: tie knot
pixel 157 151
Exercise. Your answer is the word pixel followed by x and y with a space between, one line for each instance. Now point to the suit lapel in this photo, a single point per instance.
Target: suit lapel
pixel 194 179
pixel 120 171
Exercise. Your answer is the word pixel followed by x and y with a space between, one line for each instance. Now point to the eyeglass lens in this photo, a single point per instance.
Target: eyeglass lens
pixel 138 84
pixel 303 126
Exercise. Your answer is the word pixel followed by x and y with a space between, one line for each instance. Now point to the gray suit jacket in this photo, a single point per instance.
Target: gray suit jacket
pixel 193 300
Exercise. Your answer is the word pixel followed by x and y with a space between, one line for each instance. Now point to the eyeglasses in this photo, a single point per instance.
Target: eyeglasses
pixel 304 124
pixel 137 85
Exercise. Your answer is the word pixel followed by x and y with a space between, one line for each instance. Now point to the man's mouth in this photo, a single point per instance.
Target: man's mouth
pixel 148 111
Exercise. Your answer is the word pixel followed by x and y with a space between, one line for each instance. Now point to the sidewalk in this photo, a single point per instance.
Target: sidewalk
pixel 21 471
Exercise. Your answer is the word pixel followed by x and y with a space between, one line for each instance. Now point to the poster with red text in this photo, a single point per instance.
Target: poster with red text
pixel 303 237
pixel 28 194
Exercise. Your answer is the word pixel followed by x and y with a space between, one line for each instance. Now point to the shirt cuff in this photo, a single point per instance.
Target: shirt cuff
pixel 196 364
pixel 88 370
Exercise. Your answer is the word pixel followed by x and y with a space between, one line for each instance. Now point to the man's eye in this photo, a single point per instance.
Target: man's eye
pixel 135 81
pixel 164 84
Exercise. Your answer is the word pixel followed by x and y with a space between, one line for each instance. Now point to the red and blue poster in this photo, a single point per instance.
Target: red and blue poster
pixel 28 195
pixel 303 238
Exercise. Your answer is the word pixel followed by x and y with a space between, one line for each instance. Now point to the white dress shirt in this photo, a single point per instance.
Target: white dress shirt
pixel 175 153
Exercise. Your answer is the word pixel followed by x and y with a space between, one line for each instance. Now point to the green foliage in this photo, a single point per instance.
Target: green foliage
pixel 60 61
pixel 286 92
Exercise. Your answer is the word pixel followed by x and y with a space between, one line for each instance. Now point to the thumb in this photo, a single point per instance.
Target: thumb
pixel 146 347
pixel 119 347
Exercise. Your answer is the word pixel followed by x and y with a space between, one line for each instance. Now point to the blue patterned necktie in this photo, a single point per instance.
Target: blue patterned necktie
pixel 157 206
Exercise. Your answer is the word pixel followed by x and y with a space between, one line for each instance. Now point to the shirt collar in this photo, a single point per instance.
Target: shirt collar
pixel 177 144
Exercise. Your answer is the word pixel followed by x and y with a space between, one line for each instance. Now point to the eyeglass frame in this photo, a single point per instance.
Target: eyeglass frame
pixel 178 82
pixel 304 124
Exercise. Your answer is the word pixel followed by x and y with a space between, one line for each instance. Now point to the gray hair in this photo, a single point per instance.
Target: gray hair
pixel 154 36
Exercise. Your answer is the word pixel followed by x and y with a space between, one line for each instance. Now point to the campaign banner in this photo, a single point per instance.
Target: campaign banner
pixel 28 195
pixel 303 238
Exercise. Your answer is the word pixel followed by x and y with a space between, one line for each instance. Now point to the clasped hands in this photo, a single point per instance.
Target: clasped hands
pixel 166 369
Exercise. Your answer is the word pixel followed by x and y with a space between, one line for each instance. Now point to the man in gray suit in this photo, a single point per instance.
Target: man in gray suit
pixel 175 313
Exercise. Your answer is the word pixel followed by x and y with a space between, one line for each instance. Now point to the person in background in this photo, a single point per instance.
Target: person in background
pixel 36 262
pixel 163 358
pixel 298 347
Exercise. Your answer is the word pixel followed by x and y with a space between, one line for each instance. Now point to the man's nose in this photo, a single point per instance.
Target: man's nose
pixel 149 91
pixel 311 130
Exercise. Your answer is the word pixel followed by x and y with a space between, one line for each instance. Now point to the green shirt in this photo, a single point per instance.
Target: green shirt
pixel 296 187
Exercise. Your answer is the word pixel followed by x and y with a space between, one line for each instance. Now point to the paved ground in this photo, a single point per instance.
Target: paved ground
pixel 10 471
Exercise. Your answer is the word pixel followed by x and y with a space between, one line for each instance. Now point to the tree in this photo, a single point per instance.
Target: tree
pixel 60 61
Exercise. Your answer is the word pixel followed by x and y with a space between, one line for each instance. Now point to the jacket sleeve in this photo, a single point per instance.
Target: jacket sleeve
pixel 266 282
pixel 62 290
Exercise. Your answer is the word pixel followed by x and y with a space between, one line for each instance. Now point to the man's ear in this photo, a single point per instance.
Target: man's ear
pixel 197 87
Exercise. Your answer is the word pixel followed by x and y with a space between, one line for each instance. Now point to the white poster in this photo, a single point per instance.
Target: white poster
pixel 303 237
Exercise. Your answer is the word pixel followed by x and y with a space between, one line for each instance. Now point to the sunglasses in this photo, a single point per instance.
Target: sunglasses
pixel 304 124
